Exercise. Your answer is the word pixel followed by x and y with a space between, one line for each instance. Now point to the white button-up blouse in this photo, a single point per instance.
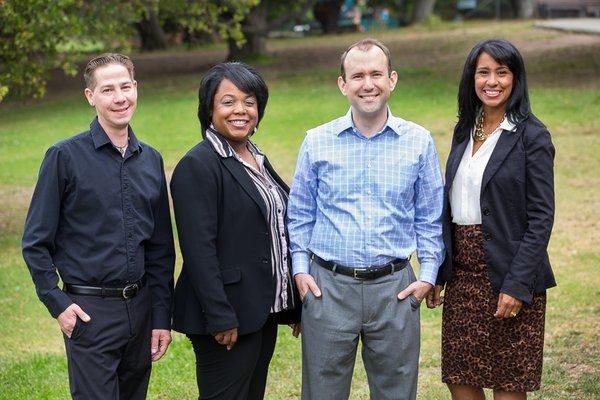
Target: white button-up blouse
pixel 466 187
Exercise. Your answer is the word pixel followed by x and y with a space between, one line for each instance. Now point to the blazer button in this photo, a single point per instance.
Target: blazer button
pixel 264 261
pixel 486 211
pixel 487 236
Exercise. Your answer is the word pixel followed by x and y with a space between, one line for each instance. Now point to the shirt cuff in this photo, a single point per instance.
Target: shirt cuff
pixel 161 319
pixel 56 301
pixel 428 273
pixel 300 262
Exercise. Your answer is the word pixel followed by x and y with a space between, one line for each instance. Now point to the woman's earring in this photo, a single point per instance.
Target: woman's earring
pixel 254 131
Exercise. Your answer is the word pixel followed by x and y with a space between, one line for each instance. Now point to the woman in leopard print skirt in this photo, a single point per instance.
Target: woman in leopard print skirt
pixel 499 210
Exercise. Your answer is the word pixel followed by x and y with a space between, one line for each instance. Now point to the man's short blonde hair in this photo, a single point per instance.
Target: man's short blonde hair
pixel 103 60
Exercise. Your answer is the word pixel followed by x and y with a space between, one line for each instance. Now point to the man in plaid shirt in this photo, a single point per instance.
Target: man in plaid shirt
pixel 366 194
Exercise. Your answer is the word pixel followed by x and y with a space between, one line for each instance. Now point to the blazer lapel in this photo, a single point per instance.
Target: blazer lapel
pixel 240 175
pixel 505 144
pixel 454 160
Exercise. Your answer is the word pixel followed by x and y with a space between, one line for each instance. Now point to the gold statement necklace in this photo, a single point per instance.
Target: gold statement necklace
pixel 479 135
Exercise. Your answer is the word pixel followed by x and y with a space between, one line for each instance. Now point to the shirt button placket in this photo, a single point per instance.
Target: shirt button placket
pixel 368 194
pixel 129 226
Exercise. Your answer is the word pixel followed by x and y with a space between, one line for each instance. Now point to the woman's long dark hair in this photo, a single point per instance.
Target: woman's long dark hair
pixel 517 106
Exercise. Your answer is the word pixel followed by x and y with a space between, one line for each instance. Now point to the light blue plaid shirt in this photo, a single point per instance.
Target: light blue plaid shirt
pixel 362 202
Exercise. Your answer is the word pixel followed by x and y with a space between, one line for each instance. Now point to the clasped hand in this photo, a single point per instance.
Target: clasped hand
pixel 227 338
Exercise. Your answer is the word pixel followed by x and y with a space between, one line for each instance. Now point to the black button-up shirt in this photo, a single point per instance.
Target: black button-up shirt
pixel 100 219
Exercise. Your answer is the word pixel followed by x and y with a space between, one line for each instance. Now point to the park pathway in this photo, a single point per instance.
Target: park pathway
pixel 576 25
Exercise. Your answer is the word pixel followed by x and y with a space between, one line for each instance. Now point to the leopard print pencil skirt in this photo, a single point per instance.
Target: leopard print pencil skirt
pixel 478 349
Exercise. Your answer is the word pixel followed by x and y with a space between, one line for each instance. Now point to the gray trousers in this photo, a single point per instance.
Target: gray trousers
pixel 349 309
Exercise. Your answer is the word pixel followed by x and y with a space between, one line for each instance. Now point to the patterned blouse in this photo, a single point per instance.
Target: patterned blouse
pixel 275 199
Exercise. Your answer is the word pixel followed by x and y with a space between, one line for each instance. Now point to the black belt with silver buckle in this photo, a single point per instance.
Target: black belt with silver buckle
pixel 363 274
pixel 126 292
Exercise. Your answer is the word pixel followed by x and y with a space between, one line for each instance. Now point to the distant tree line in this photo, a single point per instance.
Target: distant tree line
pixel 37 36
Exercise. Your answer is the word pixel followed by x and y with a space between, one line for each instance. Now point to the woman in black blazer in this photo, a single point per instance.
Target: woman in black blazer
pixel 498 215
pixel 230 205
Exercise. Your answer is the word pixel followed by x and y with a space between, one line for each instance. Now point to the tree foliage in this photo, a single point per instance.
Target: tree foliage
pixel 223 17
pixel 37 36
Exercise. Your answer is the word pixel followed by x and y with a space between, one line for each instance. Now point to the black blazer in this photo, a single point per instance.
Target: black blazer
pixel 226 279
pixel 517 209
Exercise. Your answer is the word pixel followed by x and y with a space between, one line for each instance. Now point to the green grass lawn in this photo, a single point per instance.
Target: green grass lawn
pixel 564 75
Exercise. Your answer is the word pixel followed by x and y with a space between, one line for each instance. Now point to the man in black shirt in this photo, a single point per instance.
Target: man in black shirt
pixel 99 218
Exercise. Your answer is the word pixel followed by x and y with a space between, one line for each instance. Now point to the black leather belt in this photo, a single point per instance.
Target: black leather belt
pixel 363 273
pixel 126 292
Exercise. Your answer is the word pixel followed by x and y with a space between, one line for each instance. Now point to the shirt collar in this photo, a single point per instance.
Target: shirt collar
pixel 100 138
pixel 507 125
pixel 222 146
pixel 347 124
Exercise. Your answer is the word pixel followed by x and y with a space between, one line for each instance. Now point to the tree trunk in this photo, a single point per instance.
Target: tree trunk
pixel 422 10
pixel 525 9
pixel 255 30
pixel 402 13
pixel 327 12
pixel 151 33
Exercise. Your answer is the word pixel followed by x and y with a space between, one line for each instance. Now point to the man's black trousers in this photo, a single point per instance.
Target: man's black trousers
pixel 109 356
